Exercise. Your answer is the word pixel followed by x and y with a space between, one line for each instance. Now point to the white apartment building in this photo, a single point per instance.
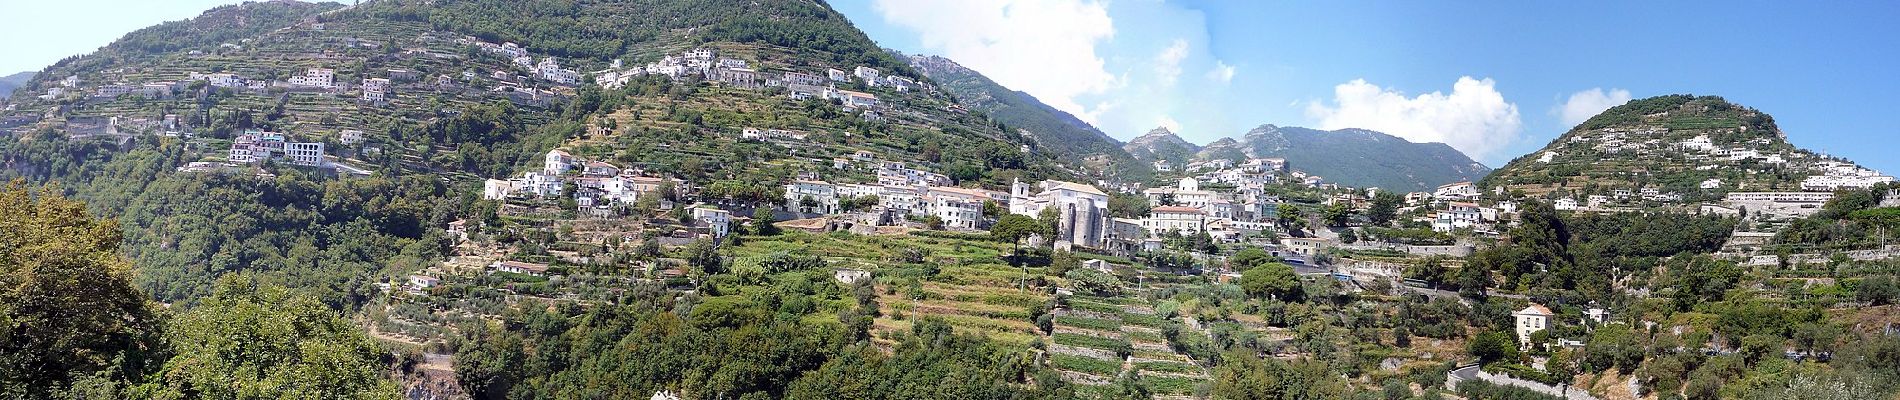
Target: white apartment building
pixel 801 78
pixel 1177 219
pixel 1460 190
pixel 1779 197
pixel 823 196
pixel 957 213
pixel 316 77
pixel 1837 182
pixel 308 154
pixel 718 222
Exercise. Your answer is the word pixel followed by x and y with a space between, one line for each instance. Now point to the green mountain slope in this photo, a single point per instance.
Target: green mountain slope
pixel 1674 143
pixel 1056 131
pixel 466 114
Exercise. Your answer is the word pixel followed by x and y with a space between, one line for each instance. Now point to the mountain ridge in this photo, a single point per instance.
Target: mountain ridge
pixel 1052 129
pixel 1351 157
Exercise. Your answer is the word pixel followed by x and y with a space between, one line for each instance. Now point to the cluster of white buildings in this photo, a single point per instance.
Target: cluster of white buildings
pixel 549 69
pixel 508 50
pixel 228 80
pixel 315 77
pixel 900 189
pixel 732 72
pixel 1837 175
pixel 1603 202
pixel 771 134
pixel 598 185
pixel 257 146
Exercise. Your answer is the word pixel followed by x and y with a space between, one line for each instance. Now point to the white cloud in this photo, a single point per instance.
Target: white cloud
pixel 1221 72
pixel 1044 47
pixel 1585 104
pixel 1168 63
pixel 1474 118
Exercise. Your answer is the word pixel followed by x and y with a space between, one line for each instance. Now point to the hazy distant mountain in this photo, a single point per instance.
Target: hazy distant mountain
pixel 1363 158
pixel 1351 157
pixel 10 82
pixel 1223 149
pixel 1161 144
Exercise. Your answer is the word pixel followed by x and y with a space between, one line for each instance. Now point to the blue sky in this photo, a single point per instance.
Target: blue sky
pixel 1491 78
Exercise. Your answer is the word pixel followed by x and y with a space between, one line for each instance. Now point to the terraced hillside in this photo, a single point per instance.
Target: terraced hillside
pixel 1698 146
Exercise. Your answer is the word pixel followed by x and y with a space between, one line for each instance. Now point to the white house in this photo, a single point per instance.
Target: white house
pixel 960 208
pixel 350 136
pixel 557 162
pixel 423 281
pixel 1531 320
pixel 800 78
pixel 518 267
pixel 857 99
pixel 497 189
pixel 870 75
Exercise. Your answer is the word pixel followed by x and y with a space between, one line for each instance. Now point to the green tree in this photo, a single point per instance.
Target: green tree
pixel 1613 346
pixel 1051 219
pixel 1093 281
pixel 1168 260
pixel 1338 214
pixel 1244 376
pixel 1431 270
pixel 1385 207
pixel 1123 205
pixel 1291 217
pixel 1014 228
pixel 992 209
pixel 67 305
pixel 251 340
pixel 1275 280
pixel 1878 290
pixel 762 222
pixel 1490 347
pixel 1248 258
pixel 703 254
